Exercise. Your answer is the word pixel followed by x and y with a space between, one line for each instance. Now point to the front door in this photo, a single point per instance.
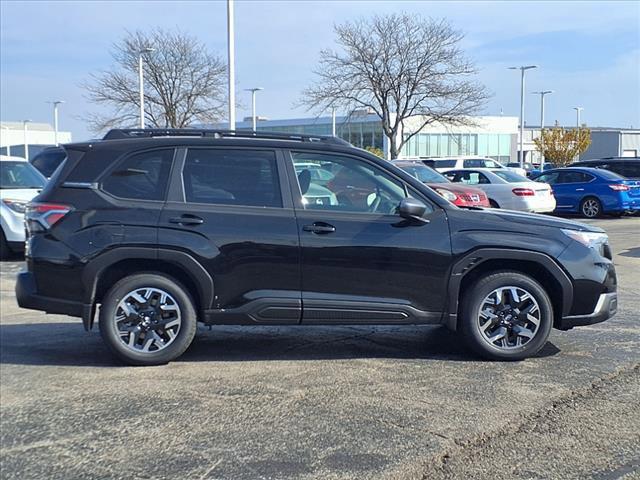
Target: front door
pixel 228 210
pixel 361 263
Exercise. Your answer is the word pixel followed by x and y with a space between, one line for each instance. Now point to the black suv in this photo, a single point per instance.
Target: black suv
pixel 628 167
pixel 153 231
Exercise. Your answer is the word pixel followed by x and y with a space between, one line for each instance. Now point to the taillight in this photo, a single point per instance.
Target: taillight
pixel 523 192
pixel 45 215
pixel 619 187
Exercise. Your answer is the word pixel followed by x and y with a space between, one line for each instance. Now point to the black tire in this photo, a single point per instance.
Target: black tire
pixel 473 300
pixel 493 204
pixel 176 347
pixel 5 249
pixel 591 207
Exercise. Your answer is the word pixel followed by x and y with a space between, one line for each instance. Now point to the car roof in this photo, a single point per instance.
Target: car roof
pixel 7 158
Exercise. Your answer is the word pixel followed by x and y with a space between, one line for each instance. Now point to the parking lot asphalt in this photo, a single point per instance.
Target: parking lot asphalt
pixel 323 402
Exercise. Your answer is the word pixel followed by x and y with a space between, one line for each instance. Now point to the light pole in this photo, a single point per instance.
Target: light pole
pixel 522 69
pixel 231 65
pixel 542 94
pixel 8 143
pixel 253 105
pixel 333 122
pixel 55 104
pixel 578 110
pixel 141 52
pixel 26 144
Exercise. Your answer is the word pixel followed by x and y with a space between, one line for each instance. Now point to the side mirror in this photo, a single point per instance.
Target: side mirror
pixel 412 209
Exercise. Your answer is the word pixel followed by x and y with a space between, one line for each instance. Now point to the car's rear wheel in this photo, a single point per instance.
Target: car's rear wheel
pixel 147 319
pixel 506 316
pixel 591 207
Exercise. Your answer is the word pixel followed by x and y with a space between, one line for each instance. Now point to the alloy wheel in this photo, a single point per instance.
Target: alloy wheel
pixel 147 319
pixel 591 208
pixel 509 317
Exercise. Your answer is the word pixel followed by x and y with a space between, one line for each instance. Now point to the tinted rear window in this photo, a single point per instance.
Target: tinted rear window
pixel 143 176
pixel 509 176
pixel 444 163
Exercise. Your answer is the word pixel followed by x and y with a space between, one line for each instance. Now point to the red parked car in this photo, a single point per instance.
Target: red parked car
pixel 460 195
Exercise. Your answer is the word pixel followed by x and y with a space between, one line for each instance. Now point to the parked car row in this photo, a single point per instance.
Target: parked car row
pixel 590 188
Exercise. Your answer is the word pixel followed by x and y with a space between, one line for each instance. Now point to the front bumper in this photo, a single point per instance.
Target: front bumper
pixel 606 308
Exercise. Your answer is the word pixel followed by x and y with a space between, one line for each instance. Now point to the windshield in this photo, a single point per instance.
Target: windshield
pixel 424 174
pixel 510 177
pixel 20 175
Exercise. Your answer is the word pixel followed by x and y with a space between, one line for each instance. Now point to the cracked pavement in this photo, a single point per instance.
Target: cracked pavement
pixel 323 402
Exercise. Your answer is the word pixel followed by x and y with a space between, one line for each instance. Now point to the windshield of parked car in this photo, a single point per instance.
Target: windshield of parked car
pixel 424 173
pixel 510 177
pixel 20 175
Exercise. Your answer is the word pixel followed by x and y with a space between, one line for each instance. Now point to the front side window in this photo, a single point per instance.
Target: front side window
pixel 232 177
pixel 355 186
pixel 549 178
pixel 469 178
pixel 143 176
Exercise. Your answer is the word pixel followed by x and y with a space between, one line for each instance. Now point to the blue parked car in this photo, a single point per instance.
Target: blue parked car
pixel 591 191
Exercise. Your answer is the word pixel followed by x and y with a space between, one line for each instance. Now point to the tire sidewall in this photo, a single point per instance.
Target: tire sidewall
pixel 108 329
pixel 471 308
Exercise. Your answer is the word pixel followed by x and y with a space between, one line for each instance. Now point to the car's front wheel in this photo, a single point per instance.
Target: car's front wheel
pixel 147 319
pixel 506 316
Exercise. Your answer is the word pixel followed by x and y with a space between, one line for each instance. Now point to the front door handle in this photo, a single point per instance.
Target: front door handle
pixel 319 228
pixel 187 220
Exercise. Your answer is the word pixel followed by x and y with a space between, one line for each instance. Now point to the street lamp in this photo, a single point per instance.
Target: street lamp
pixel 231 66
pixel 578 110
pixel 141 52
pixel 253 104
pixel 55 104
pixel 542 94
pixel 522 69
pixel 26 144
pixel 8 143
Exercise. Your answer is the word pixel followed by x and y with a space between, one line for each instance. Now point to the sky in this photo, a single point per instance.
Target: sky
pixel 588 52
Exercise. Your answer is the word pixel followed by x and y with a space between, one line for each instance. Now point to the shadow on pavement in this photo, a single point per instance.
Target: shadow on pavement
pixel 67 344
pixel 631 252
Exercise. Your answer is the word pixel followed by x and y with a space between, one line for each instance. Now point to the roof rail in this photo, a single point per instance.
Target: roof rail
pixel 121 133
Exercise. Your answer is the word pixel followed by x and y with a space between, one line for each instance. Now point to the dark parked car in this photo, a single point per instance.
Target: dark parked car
pixel 155 230
pixel 592 191
pixel 626 167
pixel 48 160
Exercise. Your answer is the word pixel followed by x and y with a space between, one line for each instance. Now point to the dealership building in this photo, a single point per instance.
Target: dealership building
pixel 486 136
pixel 37 136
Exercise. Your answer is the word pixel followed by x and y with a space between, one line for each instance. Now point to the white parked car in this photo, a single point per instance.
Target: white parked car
pixel 507 189
pixel 455 163
pixel 19 183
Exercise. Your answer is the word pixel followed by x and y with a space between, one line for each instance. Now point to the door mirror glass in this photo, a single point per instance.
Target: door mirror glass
pixel 410 208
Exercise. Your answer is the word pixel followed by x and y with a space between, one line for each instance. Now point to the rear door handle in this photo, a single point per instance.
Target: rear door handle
pixel 187 220
pixel 319 228
pixel 579 189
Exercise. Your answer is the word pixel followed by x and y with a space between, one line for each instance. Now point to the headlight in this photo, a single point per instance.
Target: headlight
pixel 588 239
pixel 447 194
pixel 18 206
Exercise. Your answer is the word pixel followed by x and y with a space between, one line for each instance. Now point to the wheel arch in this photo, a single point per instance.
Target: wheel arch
pixel 103 271
pixel 539 266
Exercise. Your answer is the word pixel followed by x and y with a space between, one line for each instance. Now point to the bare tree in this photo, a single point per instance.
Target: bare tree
pixel 183 83
pixel 399 66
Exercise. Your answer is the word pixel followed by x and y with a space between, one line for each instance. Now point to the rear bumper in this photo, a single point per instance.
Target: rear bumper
pixel 606 308
pixel 27 297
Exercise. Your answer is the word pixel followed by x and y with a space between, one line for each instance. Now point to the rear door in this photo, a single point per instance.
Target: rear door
pixel 361 263
pixel 228 210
